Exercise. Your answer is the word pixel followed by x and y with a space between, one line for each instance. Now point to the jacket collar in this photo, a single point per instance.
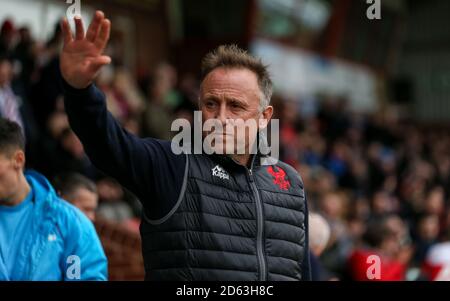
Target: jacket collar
pixel 41 186
pixel 257 160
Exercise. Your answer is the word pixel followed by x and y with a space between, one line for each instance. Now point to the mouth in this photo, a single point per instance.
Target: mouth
pixel 220 134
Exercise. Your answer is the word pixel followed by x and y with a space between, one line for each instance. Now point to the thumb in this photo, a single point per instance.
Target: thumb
pixel 99 62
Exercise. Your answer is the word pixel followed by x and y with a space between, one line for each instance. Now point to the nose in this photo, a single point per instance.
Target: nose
pixel 222 114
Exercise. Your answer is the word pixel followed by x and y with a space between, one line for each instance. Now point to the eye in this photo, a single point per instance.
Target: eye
pixel 210 104
pixel 235 105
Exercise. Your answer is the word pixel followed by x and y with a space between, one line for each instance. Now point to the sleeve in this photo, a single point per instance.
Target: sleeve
pixel 84 258
pixel 147 167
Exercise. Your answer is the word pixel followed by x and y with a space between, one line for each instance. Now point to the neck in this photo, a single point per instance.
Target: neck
pixel 244 160
pixel 19 196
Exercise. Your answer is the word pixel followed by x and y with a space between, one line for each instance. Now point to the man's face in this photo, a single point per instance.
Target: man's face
pixel 9 177
pixel 86 201
pixel 230 94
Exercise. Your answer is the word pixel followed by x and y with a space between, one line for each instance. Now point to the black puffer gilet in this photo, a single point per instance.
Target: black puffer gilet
pixel 231 223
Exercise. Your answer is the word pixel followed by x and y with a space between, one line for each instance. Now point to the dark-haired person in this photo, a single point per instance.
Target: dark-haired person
pixel 7 34
pixel 42 238
pixel 386 254
pixel 78 190
pixel 206 217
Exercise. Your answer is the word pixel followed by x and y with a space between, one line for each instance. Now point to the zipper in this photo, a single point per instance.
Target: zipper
pixel 260 229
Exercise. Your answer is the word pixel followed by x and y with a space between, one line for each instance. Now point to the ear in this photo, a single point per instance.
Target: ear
pixel 19 160
pixel 266 116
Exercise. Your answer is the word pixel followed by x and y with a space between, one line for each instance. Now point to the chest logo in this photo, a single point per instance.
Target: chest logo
pixel 220 173
pixel 279 178
pixel 51 237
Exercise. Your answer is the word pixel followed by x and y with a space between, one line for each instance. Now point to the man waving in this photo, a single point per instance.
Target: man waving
pixel 206 216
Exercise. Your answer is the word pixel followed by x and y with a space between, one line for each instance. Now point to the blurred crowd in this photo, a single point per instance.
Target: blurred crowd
pixel 380 181
pixel 376 184
pixel 31 94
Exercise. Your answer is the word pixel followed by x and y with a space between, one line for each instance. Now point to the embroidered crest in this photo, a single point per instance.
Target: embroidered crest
pixel 279 178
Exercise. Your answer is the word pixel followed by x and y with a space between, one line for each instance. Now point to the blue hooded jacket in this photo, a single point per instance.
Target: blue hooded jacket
pixel 62 243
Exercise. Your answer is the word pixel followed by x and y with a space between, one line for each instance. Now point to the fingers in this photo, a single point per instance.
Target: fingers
pixel 67 33
pixel 103 60
pixel 103 35
pixel 94 28
pixel 79 28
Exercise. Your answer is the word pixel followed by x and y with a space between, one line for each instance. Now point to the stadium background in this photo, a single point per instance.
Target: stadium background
pixel 363 106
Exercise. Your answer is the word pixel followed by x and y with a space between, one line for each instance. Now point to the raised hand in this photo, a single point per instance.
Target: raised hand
pixel 82 57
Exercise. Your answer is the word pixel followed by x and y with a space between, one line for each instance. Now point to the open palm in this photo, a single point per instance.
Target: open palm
pixel 82 55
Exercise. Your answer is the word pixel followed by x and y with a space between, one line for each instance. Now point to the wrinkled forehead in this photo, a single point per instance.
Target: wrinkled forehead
pixel 85 195
pixel 239 80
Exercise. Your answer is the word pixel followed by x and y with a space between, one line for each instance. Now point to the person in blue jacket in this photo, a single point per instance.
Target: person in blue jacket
pixel 42 237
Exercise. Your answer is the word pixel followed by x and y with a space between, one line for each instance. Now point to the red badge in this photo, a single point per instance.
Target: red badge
pixel 279 178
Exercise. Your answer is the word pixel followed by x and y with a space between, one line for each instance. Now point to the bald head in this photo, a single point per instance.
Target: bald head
pixel 319 233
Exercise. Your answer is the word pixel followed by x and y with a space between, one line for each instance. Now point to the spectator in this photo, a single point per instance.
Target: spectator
pixel 319 236
pixel 25 55
pixel 112 204
pixel 79 191
pixel 436 266
pixel 427 236
pixel 383 241
pixel 333 206
pixel 7 37
pixel 9 102
pixel 33 219
pixel 14 105
pixel 157 115
pixel 46 91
